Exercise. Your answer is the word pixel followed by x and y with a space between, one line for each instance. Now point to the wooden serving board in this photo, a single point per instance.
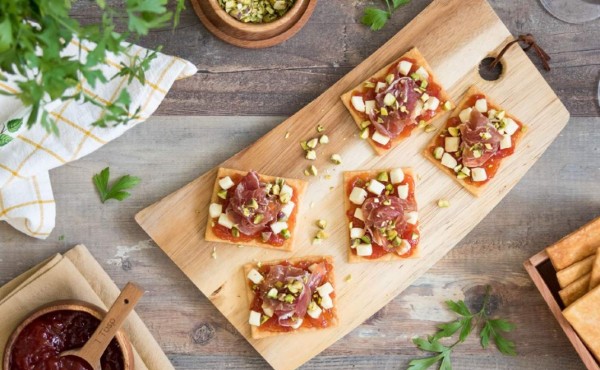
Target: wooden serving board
pixel 454 36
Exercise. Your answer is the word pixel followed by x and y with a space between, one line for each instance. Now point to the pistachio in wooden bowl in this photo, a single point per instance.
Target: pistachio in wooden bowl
pixel 256 11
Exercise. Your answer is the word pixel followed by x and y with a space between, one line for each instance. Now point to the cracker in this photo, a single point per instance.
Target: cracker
pixel 259 334
pixel 595 278
pixel 584 316
pixel 353 258
pixel 575 290
pixel 299 187
pixel 476 190
pixel 419 60
pixel 575 271
pixel 576 246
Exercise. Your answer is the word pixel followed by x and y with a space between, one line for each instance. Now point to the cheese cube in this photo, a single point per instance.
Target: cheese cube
pixel 297 324
pixel 226 183
pixel 404 247
pixel 327 302
pixel 380 86
pixel 478 174
pixel 255 276
pixel 379 138
pixel 364 250
pixel 314 311
pixel 358 195
pixel 325 289
pixel 506 141
pixel 481 105
pixel 254 318
pixel 465 115
pixel 404 67
pixel 215 210
pixel 370 106
pixel 356 233
pixel 451 144
pixel 403 191
pixel 396 175
pixel 279 226
pixel 224 220
pixel 511 126
pixel 432 103
pixel 358 213
pixel 412 217
pixel 358 103
pixel 286 189
pixel 423 73
pixel 449 161
pixel 288 208
pixel 375 187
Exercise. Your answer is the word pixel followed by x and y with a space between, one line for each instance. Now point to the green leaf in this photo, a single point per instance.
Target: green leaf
pixel 446 364
pixel 5 139
pixel 424 363
pixel 117 191
pixel 14 124
pixel 466 329
pixel 485 335
pixel 6 36
pixel 447 329
pixel 375 18
pixel 459 307
pixel 430 346
pixel 502 325
pixel 505 346
pixel 399 3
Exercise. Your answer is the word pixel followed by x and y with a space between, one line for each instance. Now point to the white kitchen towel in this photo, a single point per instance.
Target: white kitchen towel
pixel 26 155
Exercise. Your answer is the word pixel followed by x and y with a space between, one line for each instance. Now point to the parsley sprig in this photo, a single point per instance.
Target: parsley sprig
pixel 489 329
pixel 34 33
pixel 117 190
pixel 377 18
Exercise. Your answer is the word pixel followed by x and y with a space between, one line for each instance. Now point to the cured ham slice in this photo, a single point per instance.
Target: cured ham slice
pixel 480 140
pixel 403 90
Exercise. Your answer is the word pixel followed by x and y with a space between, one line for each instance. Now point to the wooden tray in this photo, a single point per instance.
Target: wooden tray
pixel 454 36
pixel 543 274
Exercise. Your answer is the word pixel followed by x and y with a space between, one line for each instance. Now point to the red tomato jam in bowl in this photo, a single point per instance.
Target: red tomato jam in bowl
pixel 40 342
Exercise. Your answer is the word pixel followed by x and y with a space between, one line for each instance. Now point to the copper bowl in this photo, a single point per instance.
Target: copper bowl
pixel 70 305
pixel 253 35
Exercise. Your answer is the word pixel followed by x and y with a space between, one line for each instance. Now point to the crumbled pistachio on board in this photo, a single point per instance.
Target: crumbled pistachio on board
pixel 214 253
pixel 256 11
pixel 348 277
pixel 287 135
pixel 443 203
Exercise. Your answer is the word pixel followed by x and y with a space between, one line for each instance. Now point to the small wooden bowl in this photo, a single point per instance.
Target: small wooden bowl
pixel 252 35
pixel 70 305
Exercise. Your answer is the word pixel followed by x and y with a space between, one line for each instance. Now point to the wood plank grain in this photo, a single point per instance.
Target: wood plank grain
pixel 176 223
pixel 555 197
pixel 309 63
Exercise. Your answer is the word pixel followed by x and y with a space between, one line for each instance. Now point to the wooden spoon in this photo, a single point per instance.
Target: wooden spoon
pixel 93 349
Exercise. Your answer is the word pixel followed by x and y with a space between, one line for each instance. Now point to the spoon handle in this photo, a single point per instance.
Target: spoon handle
pixel 94 348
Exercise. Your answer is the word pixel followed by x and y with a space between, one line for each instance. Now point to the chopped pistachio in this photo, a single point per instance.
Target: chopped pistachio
pixel 304 145
pixel 397 241
pixel 289 298
pixel 235 232
pixel 384 111
pixel 429 128
pixel 272 293
pixel 461 175
pixel 415 76
pixel 336 158
pixel 320 128
pixel 322 234
pixel 454 131
pixel 387 202
pixel 458 168
pixel 322 224
pixel 392 234
pixel 422 124
pixel 324 139
pixel 488 146
pixel 313 170
pixel 424 84
pixel 214 253
pixel 389 78
pixel 477 153
pixel 311 155
pixel 364 124
pixel 316 241
pixel 264 319
pixel 364 133
pixel 348 277
pixel 447 105
pixel 222 194
pixel 306 173
pixel 276 189
pixel 383 176
pixel 312 143
pixel 366 239
pixel 286 234
pixel 256 11
pixel 415 236
pixel 369 84
pixel 438 152
pixel 252 203
pixel 287 135
pixel 285 198
pixel 524 129
pixel 443 203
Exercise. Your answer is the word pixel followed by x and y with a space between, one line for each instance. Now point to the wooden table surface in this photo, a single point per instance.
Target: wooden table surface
pixel 237 96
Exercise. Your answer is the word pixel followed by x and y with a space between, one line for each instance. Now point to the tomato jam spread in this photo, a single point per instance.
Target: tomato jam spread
pixel 40 343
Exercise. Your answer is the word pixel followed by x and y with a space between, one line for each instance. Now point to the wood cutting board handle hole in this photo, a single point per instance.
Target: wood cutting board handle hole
pixel 487 72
